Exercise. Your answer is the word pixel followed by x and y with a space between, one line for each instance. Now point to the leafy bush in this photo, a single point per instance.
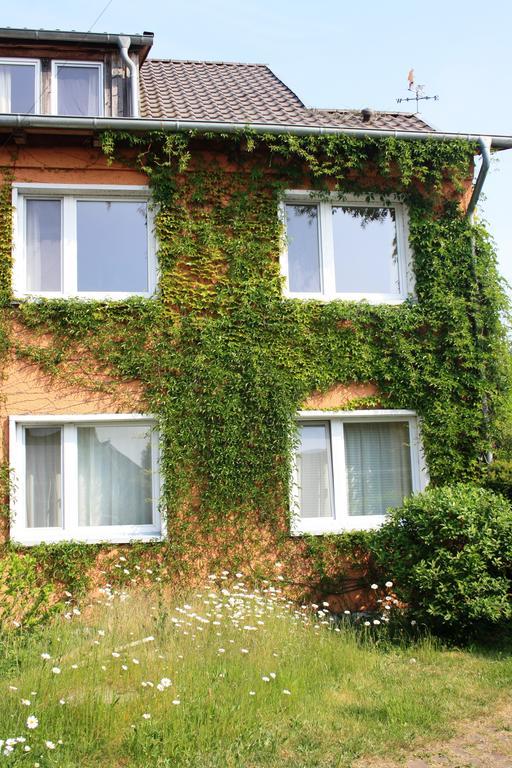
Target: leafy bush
pixel 449 551
pixel 26 600
pixel 499 478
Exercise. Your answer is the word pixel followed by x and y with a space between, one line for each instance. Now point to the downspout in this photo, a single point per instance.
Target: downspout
pixel 124 46
pixel 485 147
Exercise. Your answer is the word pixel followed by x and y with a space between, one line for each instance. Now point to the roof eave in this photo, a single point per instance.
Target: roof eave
pixel 144 41
pixel 55 122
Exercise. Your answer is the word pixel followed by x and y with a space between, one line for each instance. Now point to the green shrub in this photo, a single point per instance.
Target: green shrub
pixel 26 600
pixel 499 478
pixel 449 552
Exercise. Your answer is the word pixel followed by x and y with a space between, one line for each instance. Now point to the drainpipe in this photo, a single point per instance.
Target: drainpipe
pixel 124 45
pixel 485 148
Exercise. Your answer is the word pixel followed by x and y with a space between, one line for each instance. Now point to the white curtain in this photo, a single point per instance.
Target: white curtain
pixel 34 247
pixel 78 90
pixel 43 476
pixel 5 88
pixel 114 475
pixel 378 465
pixel 314 473
pixel 92 93
pixel 43 245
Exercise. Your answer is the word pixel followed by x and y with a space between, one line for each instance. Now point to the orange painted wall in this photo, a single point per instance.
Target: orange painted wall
pixel 24 387
pixel 339 396
pixel 67 165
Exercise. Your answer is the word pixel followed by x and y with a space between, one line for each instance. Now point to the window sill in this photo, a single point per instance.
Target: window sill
pixel 57 536
pixel 313 527
pixel 20 296
pixel 369 298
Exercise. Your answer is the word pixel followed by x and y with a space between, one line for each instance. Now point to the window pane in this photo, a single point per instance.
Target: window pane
pixel 78 90
pixel 314 471
pixel 112 246
pixel 43 481
pixel 365 250
pixel 378 465
pixel 17 88
pixel 43 245
pixel 303 249
pixel 114 475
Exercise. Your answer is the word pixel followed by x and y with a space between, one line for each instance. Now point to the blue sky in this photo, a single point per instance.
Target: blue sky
pixel 338 53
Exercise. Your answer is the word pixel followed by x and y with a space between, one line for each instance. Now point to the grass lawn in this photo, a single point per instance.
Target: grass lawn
pixel 232 678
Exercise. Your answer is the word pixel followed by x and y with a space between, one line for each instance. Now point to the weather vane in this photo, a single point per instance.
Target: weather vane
pixel 418 91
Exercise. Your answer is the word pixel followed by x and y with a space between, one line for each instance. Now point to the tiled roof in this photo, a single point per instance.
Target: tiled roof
pixel 244 93
pixel 353 118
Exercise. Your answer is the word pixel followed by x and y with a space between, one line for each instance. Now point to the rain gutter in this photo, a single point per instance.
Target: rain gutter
pixel 61 36
pixel 210 126
pixel 21 122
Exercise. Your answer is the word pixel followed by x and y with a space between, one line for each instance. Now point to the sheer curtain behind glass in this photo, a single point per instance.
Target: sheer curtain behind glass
pixel 378 465
pixel 43 245
pixel 5 88
pixel 78 90
pixel 43 476
pixel 314 471
pixel 17 88
pixel 114 475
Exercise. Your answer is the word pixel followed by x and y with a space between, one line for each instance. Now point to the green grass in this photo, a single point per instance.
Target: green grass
pixel 349 697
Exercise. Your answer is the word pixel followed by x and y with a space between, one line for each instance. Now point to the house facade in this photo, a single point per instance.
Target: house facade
pixel 224 313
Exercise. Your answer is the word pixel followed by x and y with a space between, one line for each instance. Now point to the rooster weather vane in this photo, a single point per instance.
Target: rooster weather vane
pixel 418 90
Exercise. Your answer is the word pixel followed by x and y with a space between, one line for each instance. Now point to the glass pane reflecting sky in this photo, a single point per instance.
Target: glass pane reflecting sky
pixel 365 250
pixel 112 246
pixel 303 250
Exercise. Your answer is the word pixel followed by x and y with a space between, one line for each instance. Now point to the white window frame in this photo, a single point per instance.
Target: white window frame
pixel 37 80
pixel 341 520
pixel 55 84
pixel 70 529
pixel 70 194
pixel 326 247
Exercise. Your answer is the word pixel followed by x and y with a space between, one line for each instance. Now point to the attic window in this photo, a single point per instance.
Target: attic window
pixel 78 88
pixel 19 80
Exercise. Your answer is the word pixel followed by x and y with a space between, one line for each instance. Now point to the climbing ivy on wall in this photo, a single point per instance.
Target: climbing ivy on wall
pixel 225 361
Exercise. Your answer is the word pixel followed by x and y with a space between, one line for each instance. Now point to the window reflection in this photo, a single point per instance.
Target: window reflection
pixel 303 249
pixel 112 246
pixel 365 249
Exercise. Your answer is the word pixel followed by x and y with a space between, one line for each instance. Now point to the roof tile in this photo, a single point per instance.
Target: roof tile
pixel 243 93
